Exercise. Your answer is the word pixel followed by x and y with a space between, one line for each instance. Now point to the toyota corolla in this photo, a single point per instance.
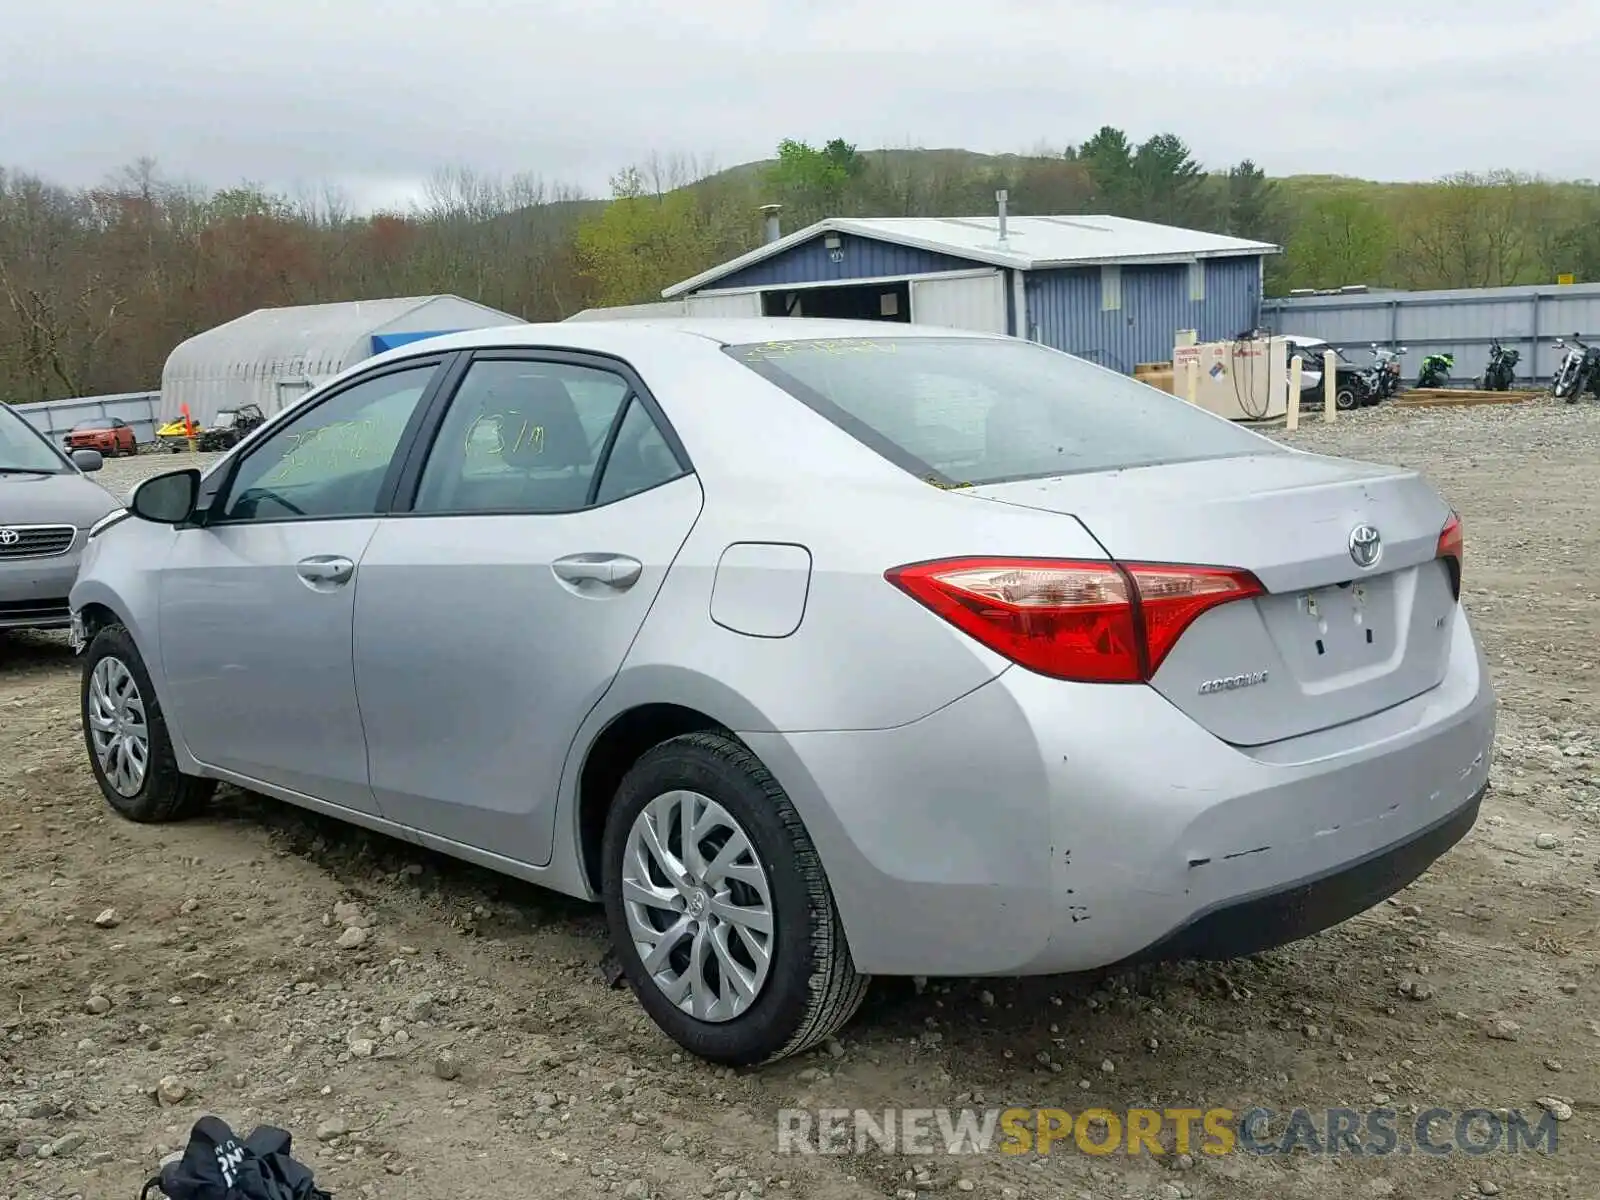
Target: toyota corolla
pixel 815 650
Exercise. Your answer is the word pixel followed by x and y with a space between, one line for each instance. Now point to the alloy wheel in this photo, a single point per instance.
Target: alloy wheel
pixel 117 725
pixel 698 905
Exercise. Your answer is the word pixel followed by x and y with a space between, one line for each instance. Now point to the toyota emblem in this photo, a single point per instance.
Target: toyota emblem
pixel 1366 546
pixel 9 537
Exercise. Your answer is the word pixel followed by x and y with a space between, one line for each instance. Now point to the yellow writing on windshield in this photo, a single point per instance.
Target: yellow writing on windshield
pixel 329 450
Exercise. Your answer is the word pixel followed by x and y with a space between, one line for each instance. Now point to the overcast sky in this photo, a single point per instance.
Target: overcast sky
pixel 374 94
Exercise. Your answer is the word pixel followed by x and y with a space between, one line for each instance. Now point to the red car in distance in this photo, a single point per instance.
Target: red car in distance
pixel 109 435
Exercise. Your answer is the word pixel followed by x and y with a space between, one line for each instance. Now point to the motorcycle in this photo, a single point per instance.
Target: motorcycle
pixel 1383 376
pixel 1579 370
pixel 1502 368
pixel 1436 370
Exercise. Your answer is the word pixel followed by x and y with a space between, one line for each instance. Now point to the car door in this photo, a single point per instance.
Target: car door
pixel 494 614
pixel 256 600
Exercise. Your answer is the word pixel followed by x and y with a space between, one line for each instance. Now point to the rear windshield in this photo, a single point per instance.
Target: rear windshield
pixel 961 411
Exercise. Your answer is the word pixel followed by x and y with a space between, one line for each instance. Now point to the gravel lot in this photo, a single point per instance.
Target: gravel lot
pixel 467 1047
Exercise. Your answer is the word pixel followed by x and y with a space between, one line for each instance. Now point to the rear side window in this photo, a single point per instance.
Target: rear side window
pixel 527 436
pixel 982 410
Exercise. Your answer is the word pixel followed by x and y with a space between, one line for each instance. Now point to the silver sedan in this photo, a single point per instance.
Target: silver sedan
pixel 815 650
pixel 48 505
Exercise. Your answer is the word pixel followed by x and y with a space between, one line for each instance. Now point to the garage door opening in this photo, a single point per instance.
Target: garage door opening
pixel 860 302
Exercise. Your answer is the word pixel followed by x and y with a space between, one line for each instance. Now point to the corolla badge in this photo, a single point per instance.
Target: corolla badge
pixel 1366 546
pixel 1232 683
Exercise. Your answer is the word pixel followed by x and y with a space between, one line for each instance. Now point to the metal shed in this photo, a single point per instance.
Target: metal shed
pixel 1458 321
pixel 1109 289
pixel 272 356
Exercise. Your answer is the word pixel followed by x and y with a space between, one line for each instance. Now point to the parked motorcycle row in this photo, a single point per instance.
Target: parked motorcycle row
pixel 1496 377
pixel 1578 373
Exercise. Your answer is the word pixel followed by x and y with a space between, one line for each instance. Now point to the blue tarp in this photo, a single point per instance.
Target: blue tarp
pixel 388 341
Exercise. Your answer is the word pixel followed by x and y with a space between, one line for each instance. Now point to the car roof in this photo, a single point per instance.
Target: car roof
pixel 619 336
pixel 682 355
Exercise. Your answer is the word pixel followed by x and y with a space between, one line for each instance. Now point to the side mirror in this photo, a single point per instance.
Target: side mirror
pixel 166 499
pixel 87 460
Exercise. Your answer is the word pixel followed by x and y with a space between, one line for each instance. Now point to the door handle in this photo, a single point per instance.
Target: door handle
pixel 325 568
pixel 616 571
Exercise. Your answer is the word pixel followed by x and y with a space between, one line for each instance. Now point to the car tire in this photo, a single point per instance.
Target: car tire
pixel 1345 399
pixel 810 987
pixel 114 671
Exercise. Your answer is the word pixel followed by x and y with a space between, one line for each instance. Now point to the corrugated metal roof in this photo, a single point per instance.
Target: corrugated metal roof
pixel 1031 243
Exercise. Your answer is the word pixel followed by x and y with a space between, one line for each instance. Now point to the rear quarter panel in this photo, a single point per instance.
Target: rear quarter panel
pixel 864 655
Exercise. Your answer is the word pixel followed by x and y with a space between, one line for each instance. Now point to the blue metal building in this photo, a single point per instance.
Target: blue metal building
pixel 1109 289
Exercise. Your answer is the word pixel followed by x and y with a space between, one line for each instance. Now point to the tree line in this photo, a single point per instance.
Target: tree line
pixel 98 284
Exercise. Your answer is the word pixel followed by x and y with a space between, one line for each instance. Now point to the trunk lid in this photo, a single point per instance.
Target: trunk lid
pixel 1331 641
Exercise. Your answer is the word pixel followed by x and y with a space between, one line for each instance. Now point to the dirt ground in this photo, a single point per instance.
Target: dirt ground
pixel 469 1048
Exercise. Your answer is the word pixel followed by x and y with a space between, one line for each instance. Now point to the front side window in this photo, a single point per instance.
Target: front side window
pixel 987 410
pixel 528 436
pixel 331 460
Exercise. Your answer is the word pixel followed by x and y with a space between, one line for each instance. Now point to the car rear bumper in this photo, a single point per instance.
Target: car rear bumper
pixel 1036 827
pixel 33 591
pixel 1248 925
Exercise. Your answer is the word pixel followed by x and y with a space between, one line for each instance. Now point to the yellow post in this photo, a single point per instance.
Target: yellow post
pixel 1191 382
pixel 1330 385
pixel 1296 365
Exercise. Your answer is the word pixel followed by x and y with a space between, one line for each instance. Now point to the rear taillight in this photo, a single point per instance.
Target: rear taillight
pixel 1095 622
pixel 1451 549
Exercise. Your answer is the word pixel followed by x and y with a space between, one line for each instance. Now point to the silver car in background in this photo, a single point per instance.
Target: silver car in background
pixel 815 650
pixel 47 508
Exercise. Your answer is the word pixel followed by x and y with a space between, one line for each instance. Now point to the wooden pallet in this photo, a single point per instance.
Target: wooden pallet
pixel 1458 397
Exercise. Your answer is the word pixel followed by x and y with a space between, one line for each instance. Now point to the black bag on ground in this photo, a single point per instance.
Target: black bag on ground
pixel 218 1165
